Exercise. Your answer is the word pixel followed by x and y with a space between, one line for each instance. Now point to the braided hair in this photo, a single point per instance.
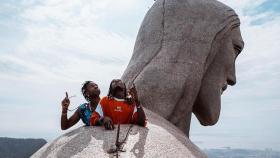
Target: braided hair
pixel 83 89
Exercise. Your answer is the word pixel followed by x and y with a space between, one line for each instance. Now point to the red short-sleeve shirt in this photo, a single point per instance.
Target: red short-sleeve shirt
pixel 119 111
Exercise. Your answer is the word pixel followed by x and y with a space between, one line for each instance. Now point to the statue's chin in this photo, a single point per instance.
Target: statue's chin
pixel 207 106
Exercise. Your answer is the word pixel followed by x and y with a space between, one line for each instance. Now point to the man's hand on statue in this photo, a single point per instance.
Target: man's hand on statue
pixel 133 93
pixel 108 123
pixel 65 103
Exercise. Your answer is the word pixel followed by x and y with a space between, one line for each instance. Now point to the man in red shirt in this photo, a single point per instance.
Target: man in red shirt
pixel 122 107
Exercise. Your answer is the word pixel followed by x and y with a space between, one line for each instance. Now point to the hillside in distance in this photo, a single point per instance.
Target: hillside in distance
pixel 19 148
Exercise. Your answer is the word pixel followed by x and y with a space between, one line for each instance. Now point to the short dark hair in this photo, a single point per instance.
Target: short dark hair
pixel 84 88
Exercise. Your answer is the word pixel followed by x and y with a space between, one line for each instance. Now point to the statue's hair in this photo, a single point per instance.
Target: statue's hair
pixel 232 21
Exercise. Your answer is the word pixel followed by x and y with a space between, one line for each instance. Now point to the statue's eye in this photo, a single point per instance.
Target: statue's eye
pixel 237 49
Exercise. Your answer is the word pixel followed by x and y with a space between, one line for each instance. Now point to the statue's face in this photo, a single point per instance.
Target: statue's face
pixel 221 72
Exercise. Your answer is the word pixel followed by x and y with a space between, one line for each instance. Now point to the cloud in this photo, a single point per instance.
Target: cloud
pixel 67 37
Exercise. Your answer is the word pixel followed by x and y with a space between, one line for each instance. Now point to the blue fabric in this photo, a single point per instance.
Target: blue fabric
pixel 99 110
pixel 85 113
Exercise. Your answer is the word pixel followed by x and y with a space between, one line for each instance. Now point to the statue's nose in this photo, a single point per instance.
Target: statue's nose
pixel 231 78
pixel 231 81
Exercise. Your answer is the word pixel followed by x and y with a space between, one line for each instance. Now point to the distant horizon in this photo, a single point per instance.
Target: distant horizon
pixel 196 143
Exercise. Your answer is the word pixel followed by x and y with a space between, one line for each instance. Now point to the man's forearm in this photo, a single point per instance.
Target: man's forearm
pixel 64 120
pixel 141 116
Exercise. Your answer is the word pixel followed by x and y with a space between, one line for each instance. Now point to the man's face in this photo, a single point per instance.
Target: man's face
pixel 218 76
pixel 117 85
pixel 92 90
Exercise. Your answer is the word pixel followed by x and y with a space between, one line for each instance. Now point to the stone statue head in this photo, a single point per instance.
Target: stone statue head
pixel 184 57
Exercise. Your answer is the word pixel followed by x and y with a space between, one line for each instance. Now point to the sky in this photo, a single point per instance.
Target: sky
pixel 48 47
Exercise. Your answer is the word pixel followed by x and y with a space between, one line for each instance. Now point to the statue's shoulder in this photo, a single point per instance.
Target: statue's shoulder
pixel 163 137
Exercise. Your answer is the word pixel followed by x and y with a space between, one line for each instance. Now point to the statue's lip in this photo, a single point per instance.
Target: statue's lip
pixel 224 88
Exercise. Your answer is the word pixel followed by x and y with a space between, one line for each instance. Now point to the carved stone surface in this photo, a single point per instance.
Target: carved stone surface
pixel 184 57
pixel 159 139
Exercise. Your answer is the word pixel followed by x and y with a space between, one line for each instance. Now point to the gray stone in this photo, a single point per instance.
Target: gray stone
pixel 184 57
pixel 159 139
